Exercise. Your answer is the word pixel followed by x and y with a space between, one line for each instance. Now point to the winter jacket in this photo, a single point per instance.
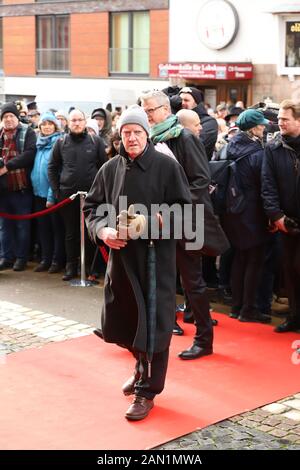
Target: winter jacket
pixel 39 175
pixel 249 228
pixel 280 181
pixel 209 132
pixel 74 163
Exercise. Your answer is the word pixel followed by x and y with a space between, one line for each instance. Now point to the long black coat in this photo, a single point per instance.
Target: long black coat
pixel 152 178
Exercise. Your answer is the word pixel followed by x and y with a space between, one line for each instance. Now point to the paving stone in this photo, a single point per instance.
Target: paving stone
pixel 293 404
pixel 275 408
pixel 272 420
pixel 56 319
pixel 285 427
pixel 264 428
pixel 294 415
pixel 256 417
pixel 47 334
pixel 278 433
pixel 293 437
pixel 297 395
pixel 67 322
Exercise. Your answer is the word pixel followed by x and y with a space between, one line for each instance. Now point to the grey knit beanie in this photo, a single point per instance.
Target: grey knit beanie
pixel 134 115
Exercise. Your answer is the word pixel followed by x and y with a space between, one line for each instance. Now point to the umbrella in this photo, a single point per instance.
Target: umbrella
pixel 151 303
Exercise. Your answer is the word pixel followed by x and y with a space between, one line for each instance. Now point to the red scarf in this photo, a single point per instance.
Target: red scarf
pixel 16 179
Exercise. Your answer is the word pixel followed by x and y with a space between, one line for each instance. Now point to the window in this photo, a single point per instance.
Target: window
pixel 289 35
pixel 129 43
pixel 53 44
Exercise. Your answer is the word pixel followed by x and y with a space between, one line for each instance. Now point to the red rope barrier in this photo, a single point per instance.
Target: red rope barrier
pixel 36 214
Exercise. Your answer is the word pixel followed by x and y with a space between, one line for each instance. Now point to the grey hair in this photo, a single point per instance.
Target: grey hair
pixel 159 96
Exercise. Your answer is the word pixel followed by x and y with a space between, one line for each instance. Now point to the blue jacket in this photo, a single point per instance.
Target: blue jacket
pixel 39 174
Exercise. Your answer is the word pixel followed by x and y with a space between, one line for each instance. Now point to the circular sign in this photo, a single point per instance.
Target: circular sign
pixel 217 24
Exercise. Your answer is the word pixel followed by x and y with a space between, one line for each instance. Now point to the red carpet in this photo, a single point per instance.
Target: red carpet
pixel 67 395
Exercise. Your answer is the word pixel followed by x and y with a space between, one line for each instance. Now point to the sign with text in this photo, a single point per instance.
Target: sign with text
pixel 207 71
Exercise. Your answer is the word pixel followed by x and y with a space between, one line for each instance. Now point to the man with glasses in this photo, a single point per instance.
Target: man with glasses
pixel 190 153
pixel 75 161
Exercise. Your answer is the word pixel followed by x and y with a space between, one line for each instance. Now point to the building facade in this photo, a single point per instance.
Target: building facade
pixel 235 50
pixel 83 50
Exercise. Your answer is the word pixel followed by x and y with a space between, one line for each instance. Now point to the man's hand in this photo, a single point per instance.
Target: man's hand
pixel 130 225
pixel 280 225
pixel 110 238
pixel 3 170
pixel 49 204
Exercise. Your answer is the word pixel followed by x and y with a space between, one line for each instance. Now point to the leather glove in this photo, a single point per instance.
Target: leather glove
pixel 130 225
pixel 292 225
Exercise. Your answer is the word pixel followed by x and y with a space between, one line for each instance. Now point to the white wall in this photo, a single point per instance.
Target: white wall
pixel 118 92
pixel 256 40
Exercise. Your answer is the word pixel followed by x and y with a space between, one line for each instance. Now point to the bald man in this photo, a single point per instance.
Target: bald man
pixel 190 120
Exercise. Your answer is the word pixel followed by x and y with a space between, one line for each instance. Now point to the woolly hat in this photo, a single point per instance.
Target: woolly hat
pixel 99 112
pixel 134 115
pixel 9 108
pixel 61 114
pixel 196 94
pixel 93 124
pixel 251 118
pixel 48 116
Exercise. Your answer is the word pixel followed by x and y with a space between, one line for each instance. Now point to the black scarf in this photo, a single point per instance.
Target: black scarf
pixel 293 142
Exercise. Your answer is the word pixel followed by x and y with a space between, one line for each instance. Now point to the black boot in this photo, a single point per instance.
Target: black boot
pixel 290 324
pixel 71 272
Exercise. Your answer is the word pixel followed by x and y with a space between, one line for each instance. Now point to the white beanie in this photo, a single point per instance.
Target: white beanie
pixel 134 115
pixel 93 124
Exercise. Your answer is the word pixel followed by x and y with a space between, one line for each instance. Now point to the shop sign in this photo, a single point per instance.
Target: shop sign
pixel 207 71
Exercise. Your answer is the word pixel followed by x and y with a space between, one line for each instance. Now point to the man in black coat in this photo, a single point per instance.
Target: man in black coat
pixel 75 160
pixel 192 98
pixel 145 178
pixel 189 151
pixel 281 195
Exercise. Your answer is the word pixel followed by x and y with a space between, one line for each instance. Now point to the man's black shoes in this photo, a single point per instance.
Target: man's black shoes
pixel 289 325
pixel 177 330
pixel 194 352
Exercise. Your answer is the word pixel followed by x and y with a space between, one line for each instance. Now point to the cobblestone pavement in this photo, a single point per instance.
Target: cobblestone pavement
pixel 275 426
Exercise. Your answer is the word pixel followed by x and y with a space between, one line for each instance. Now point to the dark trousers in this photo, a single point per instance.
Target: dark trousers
pixel 50 234
pixel 15 234
pixel 146 386
pixel 226 260
pixel 266 285
pixel 189 264
pixel 245 276
pixel 71 217
pixel 291 266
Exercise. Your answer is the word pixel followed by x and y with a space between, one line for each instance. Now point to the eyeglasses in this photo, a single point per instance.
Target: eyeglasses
pixel 151 110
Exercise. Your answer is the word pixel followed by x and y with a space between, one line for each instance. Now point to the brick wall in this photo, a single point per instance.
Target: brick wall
pixel 89 45
pixel 159 39
pixel 19 46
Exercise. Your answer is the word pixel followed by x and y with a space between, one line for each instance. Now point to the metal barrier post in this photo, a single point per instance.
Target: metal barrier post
pixel 83 282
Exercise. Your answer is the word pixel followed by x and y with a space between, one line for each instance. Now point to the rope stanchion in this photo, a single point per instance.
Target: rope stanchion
pixel 34 215
pixel 82 282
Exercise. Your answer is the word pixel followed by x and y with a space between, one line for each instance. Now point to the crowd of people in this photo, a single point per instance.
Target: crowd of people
pixel 159 151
